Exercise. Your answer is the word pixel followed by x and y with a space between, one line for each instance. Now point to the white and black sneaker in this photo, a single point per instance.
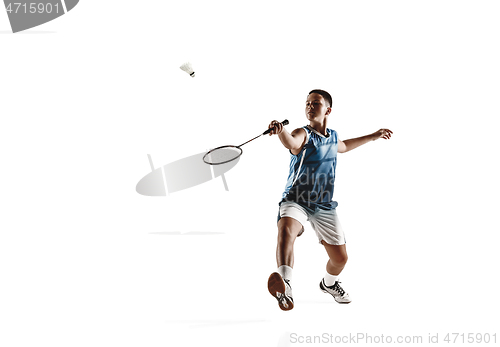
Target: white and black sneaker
pixel 280 288
pixel 336 291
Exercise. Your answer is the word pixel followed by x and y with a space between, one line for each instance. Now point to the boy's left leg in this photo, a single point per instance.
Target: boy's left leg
pixel 330 284
pixel 329 231
pixel 338 258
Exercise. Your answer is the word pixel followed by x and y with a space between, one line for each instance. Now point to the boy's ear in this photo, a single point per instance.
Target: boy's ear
pixel 328 111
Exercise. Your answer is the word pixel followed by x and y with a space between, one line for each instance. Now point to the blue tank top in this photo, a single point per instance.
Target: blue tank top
pixel 312 172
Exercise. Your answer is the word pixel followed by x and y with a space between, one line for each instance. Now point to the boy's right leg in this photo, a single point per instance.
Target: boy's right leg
pixel 279 283
pixel 288 229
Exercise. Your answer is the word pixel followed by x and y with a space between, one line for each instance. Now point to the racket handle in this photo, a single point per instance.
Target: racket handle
pixel 285 122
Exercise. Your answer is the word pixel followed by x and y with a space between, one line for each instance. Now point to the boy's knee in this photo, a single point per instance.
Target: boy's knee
pixel 339 259
pixel 344 259
pixel 287 233
pixel 288 228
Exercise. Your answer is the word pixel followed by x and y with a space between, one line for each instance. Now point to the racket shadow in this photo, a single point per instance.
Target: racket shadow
pixel 180 175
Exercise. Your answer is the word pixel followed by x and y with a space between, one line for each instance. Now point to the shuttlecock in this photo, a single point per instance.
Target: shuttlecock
pixel 188 68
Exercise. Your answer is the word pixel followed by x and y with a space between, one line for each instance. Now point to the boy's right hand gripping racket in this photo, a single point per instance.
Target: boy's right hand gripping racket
pixel 225 154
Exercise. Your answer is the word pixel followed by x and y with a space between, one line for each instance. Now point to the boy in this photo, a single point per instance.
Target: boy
pixel 308 197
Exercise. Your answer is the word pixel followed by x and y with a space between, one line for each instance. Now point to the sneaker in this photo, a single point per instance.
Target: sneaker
pixel 280 288
pixel 336 291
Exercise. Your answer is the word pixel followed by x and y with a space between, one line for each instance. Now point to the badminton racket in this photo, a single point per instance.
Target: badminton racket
pixel 225 154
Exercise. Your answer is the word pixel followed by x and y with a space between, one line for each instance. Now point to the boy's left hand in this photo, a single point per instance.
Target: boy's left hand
pixel 382 133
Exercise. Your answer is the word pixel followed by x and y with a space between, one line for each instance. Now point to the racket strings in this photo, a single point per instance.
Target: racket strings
pixel 222 155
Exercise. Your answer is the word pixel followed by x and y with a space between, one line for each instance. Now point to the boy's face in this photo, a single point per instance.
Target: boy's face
pixel 316 107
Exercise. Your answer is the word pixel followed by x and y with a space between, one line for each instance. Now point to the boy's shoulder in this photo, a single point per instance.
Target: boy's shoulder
pixel 329 131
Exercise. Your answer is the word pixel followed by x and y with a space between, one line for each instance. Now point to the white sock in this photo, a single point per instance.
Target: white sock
pixel 286 272
pixel 330 279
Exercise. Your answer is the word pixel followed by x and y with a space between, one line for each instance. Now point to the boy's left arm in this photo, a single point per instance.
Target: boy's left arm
pixel 347 145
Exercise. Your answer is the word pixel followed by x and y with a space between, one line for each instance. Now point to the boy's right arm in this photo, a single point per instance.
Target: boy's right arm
pixel 294 141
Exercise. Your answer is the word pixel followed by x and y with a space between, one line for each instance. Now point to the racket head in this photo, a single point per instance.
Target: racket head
pixel 222 155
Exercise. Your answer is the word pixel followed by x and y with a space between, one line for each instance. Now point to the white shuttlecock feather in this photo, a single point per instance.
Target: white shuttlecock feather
pixel 188 68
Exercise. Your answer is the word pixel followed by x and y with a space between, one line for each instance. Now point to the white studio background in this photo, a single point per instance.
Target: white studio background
pixel 85 260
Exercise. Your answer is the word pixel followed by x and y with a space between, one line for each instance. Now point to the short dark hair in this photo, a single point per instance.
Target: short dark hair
pixel 325 95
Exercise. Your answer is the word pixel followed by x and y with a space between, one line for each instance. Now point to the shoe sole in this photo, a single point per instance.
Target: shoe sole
pixel 276 287
pixel 340 302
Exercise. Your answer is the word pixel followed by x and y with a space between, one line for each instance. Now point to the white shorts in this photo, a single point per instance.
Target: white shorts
pixel 324 222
